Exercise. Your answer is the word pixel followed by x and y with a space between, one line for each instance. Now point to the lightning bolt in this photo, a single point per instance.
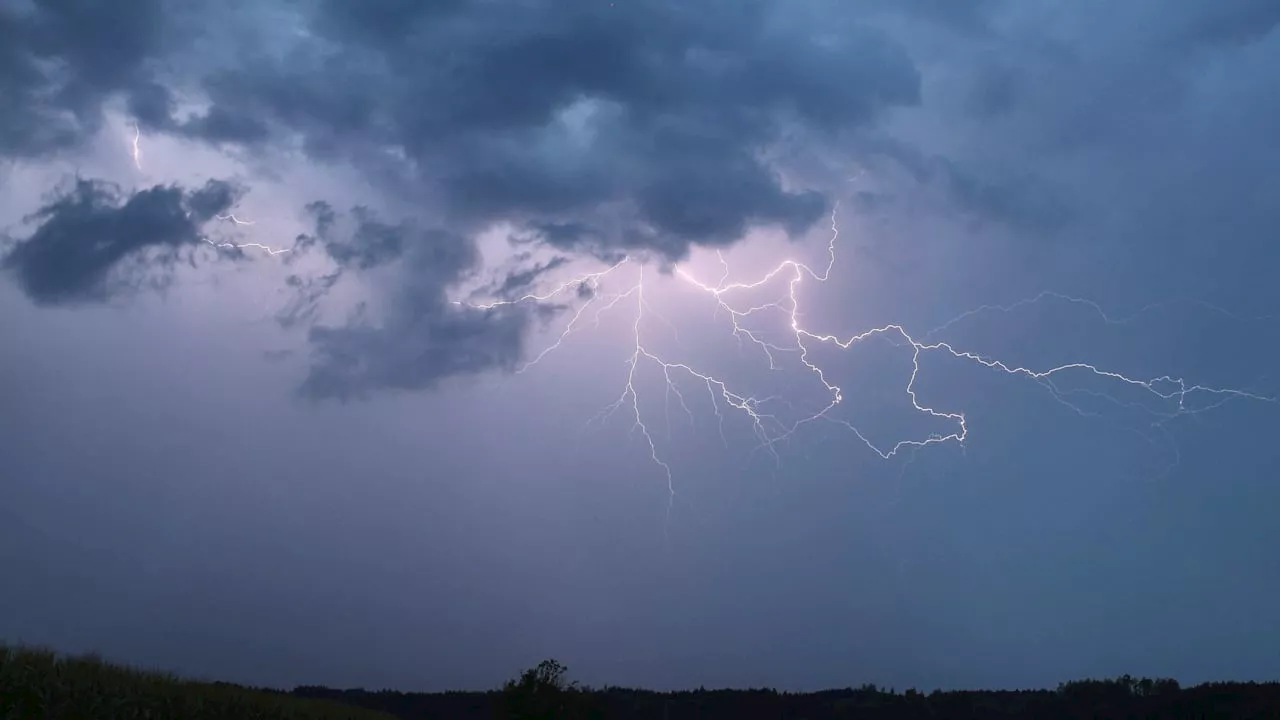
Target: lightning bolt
pixel 232 218
pixel 137 151
pixel 768 428
pixel 241 246
pixel 137 162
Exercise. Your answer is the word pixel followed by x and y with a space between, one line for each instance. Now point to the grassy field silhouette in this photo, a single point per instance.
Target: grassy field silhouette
pixel 37 683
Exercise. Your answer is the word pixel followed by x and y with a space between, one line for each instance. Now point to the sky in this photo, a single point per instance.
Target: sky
pixel 798 344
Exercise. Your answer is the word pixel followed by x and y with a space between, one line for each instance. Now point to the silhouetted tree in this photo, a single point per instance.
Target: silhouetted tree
pixel 540 693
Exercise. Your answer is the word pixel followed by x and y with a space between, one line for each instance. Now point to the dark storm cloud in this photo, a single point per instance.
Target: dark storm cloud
pixel 414 350
pixel 591 127
pixel 86 234
pixel 423 337
pixel 548 112
pixel 563 235
pixel 374 242
pixel 1091 66
pixel 1033 86
pixel 61 61
pixel 520 280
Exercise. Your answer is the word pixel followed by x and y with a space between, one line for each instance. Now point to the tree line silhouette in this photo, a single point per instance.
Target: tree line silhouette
pixel 544 692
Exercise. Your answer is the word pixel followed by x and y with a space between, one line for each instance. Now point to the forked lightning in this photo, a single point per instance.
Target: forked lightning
pixel 767 427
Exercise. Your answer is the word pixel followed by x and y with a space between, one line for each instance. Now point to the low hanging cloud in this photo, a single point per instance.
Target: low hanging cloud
pixel 83 237
pixel 427 341
pixel 423 337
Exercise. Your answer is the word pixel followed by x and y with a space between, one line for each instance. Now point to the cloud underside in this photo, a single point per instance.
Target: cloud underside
pixel 589 126
pixel 595 127
pixel 87 237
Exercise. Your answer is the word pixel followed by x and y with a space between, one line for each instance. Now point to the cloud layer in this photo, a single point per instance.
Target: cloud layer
pixel 83 238
pixel 586 126
pixel 62 62
pixel 422 337
pixel 589 126
pixel 643 122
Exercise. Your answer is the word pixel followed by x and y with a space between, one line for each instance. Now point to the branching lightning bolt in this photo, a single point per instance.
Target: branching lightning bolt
pixel 768 428
pixel 240 246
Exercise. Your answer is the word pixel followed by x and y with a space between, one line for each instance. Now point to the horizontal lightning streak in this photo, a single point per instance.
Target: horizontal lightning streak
pixel 240 246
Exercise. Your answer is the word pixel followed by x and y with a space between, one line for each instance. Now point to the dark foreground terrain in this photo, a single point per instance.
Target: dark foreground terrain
pixel 544 692
pixel 40 684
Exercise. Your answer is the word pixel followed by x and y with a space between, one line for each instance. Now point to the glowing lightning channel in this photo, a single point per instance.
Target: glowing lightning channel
pixel 240 246
pixel 137 151
pixel 234 219
pixel 768 428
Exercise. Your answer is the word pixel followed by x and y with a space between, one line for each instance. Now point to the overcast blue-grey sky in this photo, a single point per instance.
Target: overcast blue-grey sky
pixel 266 413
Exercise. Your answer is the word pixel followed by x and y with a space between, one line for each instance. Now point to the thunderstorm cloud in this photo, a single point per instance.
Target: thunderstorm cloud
pixel 593 127
pixel 423 337
pixel 62 62
pixel 589 127
pixel 83 236
pixel 557 112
